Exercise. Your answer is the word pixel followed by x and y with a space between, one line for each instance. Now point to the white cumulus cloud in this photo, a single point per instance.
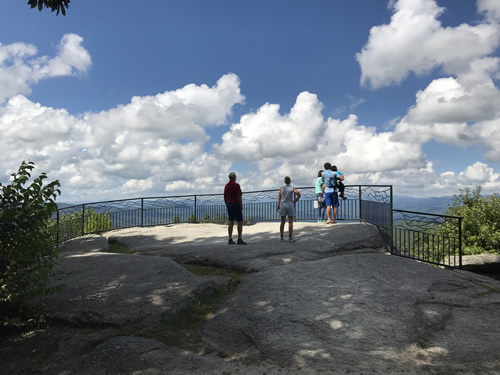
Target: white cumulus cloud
pixel 415 41
pixel 147 144
pixel 19 69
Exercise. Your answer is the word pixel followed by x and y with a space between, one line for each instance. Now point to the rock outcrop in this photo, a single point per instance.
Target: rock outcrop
pixel 332 302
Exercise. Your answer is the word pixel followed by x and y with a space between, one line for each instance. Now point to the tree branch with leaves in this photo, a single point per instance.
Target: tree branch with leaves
pixel 54 5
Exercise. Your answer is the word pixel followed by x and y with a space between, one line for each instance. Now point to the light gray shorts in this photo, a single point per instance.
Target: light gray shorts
pixel 287 209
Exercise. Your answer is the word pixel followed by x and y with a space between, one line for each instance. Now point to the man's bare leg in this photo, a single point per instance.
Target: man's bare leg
pixel 282 225
pixel 240 229
pixel 230 229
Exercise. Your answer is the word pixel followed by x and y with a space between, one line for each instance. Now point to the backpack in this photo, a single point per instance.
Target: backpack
pixel 332 182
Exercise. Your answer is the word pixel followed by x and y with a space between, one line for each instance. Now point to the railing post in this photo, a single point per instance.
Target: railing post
pixel 391 215
pixel 460 242
pixel 195 208
pixel 359 198
pixel 142 212
pixel 83 220
pixel 57 226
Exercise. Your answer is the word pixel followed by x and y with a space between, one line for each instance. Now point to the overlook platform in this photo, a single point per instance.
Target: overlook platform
pixel 333 302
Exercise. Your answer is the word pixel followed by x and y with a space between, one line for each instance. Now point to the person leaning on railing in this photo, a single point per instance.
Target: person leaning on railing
pixel 287 197
pixel 234 203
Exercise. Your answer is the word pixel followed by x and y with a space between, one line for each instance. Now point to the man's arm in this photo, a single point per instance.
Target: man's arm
pixel 297 195
pixel 279 198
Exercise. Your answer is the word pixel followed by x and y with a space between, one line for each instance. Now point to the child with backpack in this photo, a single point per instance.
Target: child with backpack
pixel 338 181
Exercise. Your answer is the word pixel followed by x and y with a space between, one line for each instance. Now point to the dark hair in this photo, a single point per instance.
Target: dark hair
pixel 320 172
pixel 327 166
pixel 287 180
pixel 334 168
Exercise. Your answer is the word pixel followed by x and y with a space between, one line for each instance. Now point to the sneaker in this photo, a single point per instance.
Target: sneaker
pixel 231 242
pixel 241 242
pixel 281 239
pixel 291 239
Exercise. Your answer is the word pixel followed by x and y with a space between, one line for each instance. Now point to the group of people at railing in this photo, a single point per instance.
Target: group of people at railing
pixel 328 182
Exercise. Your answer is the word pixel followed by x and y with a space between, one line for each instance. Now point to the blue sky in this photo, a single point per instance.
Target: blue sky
pixel 118 100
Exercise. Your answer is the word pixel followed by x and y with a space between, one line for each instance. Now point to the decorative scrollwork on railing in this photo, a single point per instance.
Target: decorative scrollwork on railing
pixel 377 193
pixel 425 222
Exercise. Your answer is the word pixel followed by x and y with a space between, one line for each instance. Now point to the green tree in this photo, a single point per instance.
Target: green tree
pixel 481 220
pixel 27 242
pixel 54 5
pixel 70 224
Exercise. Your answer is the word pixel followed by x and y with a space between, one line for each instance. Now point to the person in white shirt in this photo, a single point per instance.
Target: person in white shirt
pixel 287 197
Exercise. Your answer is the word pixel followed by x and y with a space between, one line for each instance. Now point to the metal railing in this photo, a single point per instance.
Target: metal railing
pixel 430 238
pixel 367 203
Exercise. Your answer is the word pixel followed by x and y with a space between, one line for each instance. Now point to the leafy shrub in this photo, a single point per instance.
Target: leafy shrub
pixel 481 220
pixel 27 242
pixel 70 224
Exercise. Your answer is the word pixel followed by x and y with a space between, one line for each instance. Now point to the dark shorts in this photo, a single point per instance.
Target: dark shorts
pixel 332 199
pixel 234 212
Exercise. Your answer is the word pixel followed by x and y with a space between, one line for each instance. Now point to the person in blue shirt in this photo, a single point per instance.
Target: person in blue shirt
pixel 331 195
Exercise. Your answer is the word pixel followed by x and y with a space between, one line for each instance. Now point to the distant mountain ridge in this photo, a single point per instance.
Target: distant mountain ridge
pixel 432 205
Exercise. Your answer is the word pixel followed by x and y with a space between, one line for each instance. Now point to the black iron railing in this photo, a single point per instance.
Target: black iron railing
pixel 430 238
pixel 368 203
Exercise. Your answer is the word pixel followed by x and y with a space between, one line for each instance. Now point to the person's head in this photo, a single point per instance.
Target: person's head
pixel 334 168
pixel 320 173
pixel 232 176
pixel 327 166
pixel 288 180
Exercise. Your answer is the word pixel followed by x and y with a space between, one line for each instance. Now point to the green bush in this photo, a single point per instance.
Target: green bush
pixel 70 225
pixel 27 243
pixel 481 220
